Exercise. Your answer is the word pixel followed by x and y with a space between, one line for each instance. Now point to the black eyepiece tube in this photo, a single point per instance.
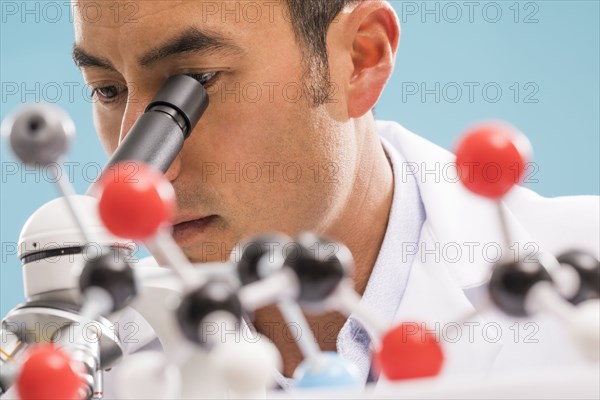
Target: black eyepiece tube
pixel 158 135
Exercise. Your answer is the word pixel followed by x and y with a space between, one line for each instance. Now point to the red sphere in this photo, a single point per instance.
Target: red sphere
pixel 491 158
pixel 47 374
pixel 136 200
pixel 408 352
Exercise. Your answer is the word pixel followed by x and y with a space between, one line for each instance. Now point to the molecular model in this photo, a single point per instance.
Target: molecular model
pixel 181 300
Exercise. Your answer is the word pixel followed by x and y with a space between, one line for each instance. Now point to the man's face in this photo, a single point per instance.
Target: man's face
pixel 260 159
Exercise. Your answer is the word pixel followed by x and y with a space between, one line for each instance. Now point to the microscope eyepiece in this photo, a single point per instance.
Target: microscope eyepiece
pixel 158 135
pixel 185 96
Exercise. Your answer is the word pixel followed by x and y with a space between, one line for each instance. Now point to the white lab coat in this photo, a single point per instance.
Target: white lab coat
pixel 452 293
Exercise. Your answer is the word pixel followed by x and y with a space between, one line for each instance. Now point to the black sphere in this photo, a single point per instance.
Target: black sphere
pixel 511 282
pixel 588 269
pixel 320 265
pixel 261 257
pixel 111 272
pixel 195 306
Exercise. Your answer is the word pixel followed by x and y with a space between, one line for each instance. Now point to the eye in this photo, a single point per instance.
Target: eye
pixel 109 93
pixel 206 79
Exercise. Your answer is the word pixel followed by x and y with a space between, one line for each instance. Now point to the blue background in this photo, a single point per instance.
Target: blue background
pixel 550 49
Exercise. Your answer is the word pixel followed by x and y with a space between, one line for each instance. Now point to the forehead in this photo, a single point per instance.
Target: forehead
pixel 150 20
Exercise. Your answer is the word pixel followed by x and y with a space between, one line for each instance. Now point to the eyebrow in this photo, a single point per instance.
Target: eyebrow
pixel 83 59
pixel 192 40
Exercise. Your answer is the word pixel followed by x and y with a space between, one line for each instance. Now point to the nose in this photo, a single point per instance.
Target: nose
pixel 175 169
pixel 134 109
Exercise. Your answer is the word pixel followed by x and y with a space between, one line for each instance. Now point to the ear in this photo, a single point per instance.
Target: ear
pixel 374 31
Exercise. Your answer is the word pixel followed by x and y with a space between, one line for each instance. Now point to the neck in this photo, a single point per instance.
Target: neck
pixel 363 223
pixel 361 226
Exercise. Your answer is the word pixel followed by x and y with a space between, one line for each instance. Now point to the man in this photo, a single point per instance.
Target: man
pixel 290 143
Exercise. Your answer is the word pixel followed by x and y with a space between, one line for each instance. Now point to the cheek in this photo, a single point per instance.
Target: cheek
pixel 262 133
pixel 275 166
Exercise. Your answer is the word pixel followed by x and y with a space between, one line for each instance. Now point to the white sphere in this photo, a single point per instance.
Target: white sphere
pixel 585 328
pixel 146 375
pixel 247 367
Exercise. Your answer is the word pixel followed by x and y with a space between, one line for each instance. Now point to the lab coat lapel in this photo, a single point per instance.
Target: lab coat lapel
pixel 433 299
pixel 460 241
pixel 456 219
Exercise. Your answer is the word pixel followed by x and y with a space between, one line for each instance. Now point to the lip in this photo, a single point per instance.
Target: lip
pixel 188 218
pixel 187 230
